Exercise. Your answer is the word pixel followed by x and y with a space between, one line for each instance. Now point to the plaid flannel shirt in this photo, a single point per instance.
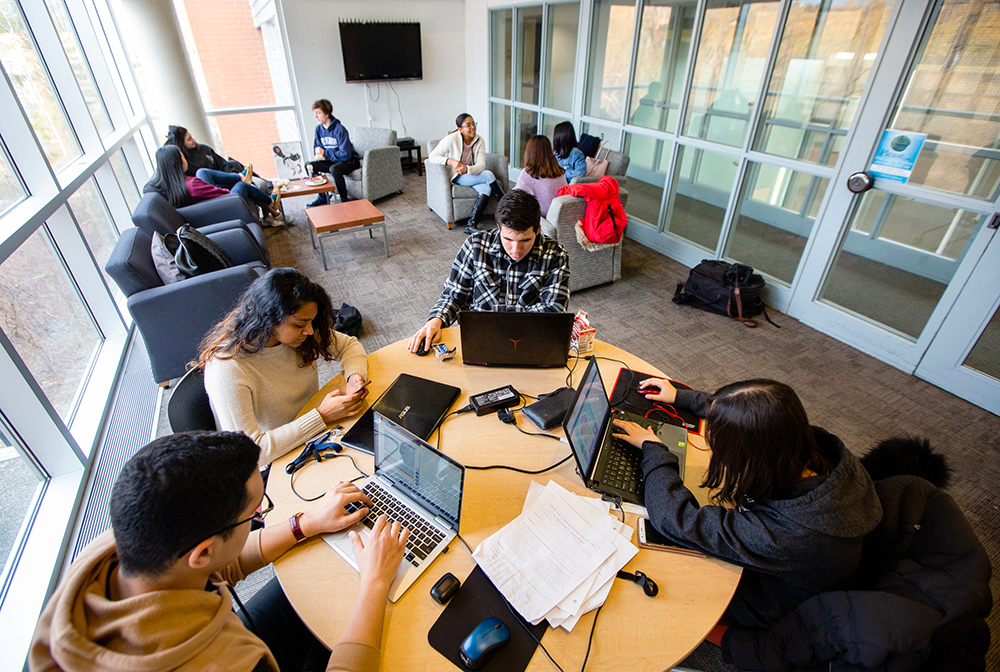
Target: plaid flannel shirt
pixel 483 277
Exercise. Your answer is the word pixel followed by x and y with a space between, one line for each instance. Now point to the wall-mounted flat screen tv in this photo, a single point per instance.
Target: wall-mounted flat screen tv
pixel 379 51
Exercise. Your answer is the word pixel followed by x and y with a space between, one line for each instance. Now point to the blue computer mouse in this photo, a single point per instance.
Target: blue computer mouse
pixel 482 643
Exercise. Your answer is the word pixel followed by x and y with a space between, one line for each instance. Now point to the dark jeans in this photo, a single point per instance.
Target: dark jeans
pixel 277 624
pixel 338 170
pixel 234 184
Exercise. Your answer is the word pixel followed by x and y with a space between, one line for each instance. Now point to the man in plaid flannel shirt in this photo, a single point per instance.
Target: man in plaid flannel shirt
pixel 511 268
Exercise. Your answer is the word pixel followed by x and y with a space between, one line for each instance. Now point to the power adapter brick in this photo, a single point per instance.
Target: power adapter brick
pixel 492 401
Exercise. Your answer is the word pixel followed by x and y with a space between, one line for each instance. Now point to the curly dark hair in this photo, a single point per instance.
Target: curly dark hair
pixel 249 327
pixel 761 442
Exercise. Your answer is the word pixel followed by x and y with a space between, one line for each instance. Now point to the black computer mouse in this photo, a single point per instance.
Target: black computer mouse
pixel 423 349
pixel 482 643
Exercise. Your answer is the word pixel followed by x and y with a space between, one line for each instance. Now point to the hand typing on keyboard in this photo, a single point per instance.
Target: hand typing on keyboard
pixel 634 433
pixel 379 560
pixel 330 514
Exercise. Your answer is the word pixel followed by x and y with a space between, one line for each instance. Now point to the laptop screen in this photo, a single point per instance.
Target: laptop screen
pixel 586 418
pixel 428 477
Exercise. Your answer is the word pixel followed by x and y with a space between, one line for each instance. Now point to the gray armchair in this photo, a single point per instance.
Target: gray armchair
pixel 586 268
pixel 154 214
pixel 380 173
pixel 174 318
pixel 452 202
pixel 617 168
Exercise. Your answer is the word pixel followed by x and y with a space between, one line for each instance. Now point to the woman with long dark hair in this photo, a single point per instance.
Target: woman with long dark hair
pixel 542 176
pixel 802 503
pixel 567 150
pixel 182 190
pixel 261 363
pixel 463 151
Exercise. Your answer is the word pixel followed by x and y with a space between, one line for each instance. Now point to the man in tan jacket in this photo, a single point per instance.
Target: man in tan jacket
pixel 153 593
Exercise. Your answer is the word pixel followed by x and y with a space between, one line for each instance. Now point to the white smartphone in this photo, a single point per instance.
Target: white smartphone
pixel 653 540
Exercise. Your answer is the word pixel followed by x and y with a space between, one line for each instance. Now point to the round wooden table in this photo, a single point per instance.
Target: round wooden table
pixel 634 632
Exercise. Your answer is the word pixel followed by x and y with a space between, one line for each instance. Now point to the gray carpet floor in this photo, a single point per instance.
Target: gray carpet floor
pixel 859 398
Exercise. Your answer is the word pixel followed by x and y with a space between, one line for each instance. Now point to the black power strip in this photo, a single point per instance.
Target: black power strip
pixel 492 401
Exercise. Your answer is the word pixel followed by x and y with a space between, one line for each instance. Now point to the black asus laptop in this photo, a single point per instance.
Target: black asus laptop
pixel 609 465
pixel 416 404
pixel 515 339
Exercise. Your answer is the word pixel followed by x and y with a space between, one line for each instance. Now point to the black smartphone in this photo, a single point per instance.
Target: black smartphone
pixel 651 539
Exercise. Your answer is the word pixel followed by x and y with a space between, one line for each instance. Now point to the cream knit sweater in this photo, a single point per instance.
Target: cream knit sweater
pixel 261 394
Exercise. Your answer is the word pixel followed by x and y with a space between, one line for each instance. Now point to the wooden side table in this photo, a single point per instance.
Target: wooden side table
pixel 337 218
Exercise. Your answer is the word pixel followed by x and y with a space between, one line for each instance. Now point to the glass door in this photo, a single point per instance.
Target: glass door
pixel 888 265
pixel 964 359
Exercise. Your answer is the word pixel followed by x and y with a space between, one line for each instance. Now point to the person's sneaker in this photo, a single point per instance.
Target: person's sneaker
pixel 320 200
pixel 470 229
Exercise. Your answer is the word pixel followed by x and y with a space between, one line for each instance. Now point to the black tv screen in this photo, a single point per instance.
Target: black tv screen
pixel 378 51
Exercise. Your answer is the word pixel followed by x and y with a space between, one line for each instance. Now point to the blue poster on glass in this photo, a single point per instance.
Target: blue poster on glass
pixel 896 154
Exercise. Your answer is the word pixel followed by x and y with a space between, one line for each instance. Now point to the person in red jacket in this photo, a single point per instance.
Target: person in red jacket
pixel 605 219
pixel 180 190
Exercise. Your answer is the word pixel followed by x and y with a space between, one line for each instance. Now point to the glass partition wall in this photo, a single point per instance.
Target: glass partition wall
pixel 71 157
pixel 741 121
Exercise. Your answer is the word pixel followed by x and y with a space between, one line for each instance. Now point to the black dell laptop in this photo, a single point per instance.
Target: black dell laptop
pixel 515 339
pixel 416 404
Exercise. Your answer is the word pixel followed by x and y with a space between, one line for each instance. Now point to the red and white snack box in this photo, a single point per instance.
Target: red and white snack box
pixel 583 334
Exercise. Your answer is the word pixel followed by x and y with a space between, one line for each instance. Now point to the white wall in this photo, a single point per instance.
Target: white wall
pixel 477 65
pixel 429 106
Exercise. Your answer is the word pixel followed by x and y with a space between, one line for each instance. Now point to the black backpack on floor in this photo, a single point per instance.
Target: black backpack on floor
pixel 348 320
pixel 724 288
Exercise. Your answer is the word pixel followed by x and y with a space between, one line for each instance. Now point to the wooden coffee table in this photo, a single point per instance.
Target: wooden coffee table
pixel 301 187
pixel 338 218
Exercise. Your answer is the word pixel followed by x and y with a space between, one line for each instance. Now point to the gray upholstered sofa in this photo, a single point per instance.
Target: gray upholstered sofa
pixel 380 173
pixel 452 202
pixel 586 268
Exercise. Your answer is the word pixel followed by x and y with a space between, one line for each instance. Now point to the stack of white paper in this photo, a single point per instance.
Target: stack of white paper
pixel 559 558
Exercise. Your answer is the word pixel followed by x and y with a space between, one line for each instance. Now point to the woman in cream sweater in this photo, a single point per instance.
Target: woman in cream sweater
pixel 261 363
pixel 464 152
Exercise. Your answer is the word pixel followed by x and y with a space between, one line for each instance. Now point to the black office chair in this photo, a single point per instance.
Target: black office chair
pixel 188 409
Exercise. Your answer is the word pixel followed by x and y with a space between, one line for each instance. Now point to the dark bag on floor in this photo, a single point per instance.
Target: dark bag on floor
pixel 348 320
pixel 723 288
pixel 195 253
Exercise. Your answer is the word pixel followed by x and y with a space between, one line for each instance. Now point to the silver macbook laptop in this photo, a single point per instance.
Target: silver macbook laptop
pixel 515 339
pixel 606 464
pixel 415 485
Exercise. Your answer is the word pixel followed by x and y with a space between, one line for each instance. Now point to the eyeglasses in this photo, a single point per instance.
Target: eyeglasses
pixel 472 125
pixel 257 516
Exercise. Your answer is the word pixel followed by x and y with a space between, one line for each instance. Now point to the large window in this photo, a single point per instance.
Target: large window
pixel 534 68
pixel 247 114
pixel 70 160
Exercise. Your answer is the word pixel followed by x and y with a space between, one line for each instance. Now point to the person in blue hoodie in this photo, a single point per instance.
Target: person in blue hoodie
pixel 333 150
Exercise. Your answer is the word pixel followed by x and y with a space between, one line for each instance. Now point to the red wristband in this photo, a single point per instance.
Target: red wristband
pixel 296 528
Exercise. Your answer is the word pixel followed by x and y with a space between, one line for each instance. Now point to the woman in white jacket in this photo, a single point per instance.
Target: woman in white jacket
pixel 464 152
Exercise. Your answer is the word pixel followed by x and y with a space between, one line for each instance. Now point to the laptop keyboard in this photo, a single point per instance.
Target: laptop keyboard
pixel 623 466
pixel 622 469
pixel 423 538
